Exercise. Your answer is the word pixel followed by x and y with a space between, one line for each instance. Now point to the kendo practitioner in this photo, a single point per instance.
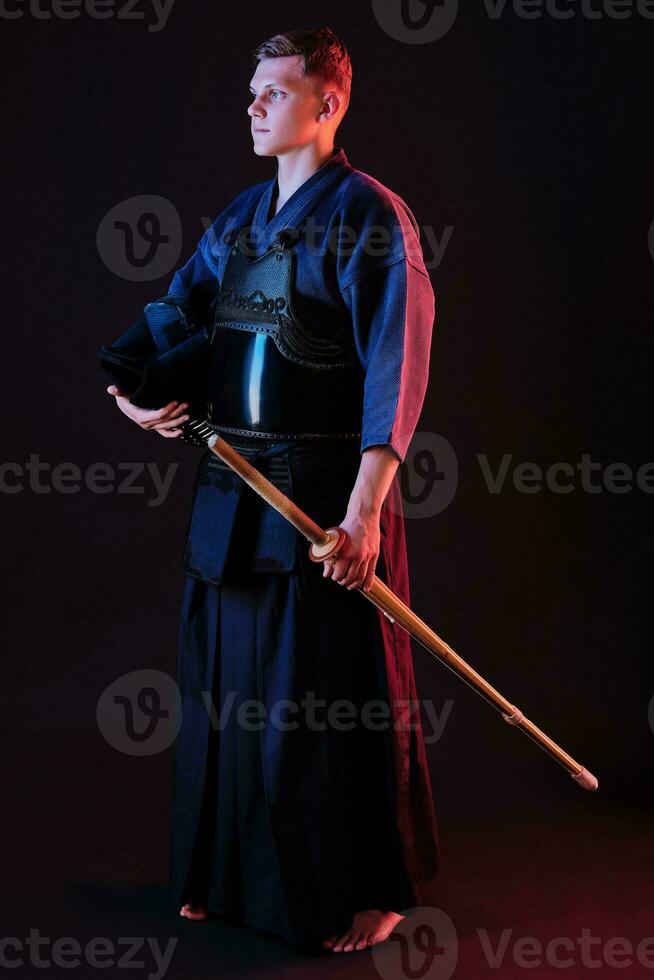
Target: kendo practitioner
pixel 316 312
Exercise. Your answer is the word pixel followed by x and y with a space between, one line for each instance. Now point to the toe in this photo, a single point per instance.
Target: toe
pixel 195 912
pixel 355 939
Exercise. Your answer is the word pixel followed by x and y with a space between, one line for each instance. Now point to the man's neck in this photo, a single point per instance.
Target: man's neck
pixel 296 166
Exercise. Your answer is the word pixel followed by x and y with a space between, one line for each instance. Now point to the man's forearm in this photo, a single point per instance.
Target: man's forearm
pixel 376 472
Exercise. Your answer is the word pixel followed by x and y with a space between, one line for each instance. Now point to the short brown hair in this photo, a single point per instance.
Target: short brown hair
pixel 323 53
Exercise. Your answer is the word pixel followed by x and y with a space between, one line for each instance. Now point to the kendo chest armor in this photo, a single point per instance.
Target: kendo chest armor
pixel 270 375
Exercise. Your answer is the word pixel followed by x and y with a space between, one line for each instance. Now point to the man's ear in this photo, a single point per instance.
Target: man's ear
pixel 331 103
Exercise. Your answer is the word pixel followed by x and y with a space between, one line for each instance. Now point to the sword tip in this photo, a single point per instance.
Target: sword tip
pixel 586 780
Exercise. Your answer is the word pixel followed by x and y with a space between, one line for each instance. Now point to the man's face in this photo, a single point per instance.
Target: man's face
pixel 286 108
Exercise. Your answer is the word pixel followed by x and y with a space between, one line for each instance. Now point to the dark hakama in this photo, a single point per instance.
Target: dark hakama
pixel 288 825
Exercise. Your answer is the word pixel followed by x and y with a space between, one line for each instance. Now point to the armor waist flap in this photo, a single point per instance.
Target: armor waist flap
pixel 268 374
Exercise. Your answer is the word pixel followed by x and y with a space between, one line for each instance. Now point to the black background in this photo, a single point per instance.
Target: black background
pixel 532 139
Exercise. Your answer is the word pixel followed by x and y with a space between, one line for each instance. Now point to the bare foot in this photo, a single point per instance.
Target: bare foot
pixel 190 911
pixel 368 927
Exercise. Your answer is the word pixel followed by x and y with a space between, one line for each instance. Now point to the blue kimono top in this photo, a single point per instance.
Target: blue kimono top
pixel 359 270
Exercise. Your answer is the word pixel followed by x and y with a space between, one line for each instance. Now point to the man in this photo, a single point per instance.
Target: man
pixel 318 364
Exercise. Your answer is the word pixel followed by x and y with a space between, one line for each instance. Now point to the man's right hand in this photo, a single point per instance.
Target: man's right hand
pixel 166 421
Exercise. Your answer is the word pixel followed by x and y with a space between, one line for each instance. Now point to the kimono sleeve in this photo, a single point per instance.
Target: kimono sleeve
pixel 392 312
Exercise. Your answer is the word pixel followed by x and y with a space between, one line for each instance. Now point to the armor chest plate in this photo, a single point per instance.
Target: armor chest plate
pixel 270 375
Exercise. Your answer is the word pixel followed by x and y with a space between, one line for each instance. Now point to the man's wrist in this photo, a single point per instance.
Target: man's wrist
pixel 363 509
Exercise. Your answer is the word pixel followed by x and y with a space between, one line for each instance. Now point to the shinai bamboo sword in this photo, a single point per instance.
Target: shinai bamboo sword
pixel 326 545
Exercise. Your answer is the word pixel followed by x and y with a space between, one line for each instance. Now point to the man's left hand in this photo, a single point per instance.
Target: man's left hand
pixel 355 566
